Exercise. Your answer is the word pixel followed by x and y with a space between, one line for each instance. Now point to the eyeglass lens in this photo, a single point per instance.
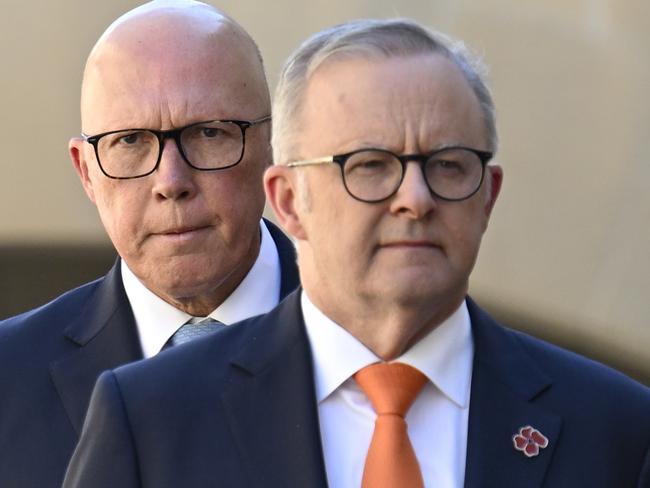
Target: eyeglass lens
pixel 374 175
pixel 210 145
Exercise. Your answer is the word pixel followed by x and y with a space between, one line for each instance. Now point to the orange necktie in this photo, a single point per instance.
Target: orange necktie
pixel 391 461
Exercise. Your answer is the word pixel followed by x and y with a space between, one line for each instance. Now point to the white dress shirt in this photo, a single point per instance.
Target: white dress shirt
pixel 437 420
pixel 258 293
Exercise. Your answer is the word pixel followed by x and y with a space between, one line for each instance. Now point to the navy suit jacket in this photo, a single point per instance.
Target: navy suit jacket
pixel 238 409
pixel 50 359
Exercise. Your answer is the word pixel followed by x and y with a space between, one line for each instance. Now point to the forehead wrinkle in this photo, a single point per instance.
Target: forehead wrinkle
pixel 432 116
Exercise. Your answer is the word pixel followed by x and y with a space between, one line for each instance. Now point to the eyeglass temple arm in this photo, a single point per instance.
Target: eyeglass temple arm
pixel 260 120
pixel 311 162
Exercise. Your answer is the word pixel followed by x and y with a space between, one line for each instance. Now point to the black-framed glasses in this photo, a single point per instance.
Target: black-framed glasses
pixel 206 146
pixel 372 175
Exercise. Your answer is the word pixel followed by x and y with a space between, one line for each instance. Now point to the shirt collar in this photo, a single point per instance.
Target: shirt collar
pixel 444 355
pixel 157 320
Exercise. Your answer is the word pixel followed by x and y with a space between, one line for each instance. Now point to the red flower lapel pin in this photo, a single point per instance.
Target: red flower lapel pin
pixel 529 441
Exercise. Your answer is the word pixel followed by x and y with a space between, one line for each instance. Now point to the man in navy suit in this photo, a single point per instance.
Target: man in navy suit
pixel 176 122
pixel 383 133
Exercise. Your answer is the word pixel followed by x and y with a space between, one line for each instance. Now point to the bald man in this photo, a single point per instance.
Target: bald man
pixel 175 139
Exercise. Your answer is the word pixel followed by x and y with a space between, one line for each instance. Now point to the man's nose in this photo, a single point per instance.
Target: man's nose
pixel 413 198
pixel 174 178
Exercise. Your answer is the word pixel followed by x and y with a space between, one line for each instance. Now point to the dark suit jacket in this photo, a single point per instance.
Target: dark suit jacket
pixel 50 359
pixel 238 409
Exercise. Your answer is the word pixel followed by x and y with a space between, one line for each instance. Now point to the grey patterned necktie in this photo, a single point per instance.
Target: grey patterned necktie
pixel 192 329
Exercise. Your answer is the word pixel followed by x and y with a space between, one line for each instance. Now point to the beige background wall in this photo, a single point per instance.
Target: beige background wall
pixel 567 252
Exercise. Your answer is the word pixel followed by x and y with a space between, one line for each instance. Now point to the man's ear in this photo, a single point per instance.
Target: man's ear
pixel 282 195
pixel 495 173
pixel 77 155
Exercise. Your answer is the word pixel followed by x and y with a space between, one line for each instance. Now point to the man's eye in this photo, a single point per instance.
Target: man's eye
pixel 210 132
pixel 368 166
pixel 447 165
pixel 372 164
pixel 129 139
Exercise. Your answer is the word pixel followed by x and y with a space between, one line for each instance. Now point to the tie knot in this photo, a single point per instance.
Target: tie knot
pixel 391 387
pixel 194 328
pixel 202 320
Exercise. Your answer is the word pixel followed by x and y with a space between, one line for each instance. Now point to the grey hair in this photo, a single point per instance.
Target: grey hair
pixel 368 39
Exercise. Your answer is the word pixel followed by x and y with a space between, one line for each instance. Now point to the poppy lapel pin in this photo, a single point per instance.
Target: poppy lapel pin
pixel 529 441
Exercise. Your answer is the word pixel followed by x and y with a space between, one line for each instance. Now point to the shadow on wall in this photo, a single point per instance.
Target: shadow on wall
pixel 34 275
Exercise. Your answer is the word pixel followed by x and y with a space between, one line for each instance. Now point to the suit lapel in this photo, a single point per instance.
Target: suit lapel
pixel 287 252
pixel 273 415
pixel 106 336
pixel 505 383
pixel 271 404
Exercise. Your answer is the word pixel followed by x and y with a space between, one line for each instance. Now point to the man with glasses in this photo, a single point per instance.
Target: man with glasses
pixel 380 372
pixel 176 136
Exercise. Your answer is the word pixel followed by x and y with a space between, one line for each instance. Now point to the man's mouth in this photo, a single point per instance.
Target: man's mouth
pixel 410 243
pixel 183 233
pixel 183 230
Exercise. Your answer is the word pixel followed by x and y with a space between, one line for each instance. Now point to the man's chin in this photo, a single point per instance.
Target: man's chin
pixel 182 277
pixel 419 288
